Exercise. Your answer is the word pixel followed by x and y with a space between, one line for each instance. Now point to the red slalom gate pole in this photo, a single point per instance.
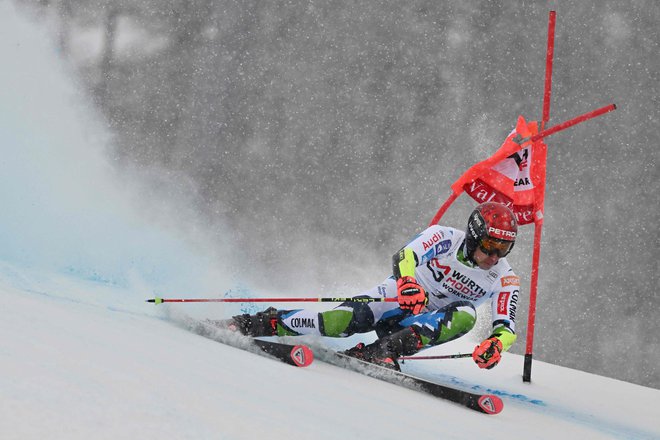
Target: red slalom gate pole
pixel 574 121
pixel 549 55
pixel 158 300
pixel 538 224
pixel 531 318
pixel 443 208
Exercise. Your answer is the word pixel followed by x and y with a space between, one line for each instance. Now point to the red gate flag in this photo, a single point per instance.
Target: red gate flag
pixel 514 175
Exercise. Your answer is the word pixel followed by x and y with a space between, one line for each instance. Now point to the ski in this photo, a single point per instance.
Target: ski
pixel 485 403
pixel 297 355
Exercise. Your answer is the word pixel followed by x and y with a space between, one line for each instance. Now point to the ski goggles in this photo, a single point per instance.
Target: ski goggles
pixel 490 246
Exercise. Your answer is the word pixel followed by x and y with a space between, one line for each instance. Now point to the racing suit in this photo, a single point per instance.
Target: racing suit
pixel 456 287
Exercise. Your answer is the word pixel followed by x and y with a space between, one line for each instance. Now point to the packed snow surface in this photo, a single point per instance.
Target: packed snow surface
pixel 86 359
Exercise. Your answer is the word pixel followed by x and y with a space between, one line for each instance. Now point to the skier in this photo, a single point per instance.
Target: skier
pixel 440 278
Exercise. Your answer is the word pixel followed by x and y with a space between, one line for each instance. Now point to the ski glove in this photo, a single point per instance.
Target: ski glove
pixel 411 295
pixel 487 354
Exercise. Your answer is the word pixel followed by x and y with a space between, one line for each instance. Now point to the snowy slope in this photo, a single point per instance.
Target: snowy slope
pixel 83 356
pixel 77 363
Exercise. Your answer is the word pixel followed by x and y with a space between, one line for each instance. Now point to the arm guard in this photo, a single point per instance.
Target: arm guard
pixel 505 335
pixel 404 263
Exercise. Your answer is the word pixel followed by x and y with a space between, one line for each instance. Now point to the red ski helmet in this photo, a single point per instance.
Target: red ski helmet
pixel 493 228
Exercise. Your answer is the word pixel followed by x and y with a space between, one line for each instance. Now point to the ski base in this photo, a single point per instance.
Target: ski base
pixel 485 403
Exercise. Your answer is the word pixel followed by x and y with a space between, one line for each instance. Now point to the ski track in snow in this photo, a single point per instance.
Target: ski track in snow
pixel 91 298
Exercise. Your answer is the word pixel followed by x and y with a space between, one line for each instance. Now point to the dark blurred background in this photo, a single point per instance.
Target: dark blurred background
pixel 327 133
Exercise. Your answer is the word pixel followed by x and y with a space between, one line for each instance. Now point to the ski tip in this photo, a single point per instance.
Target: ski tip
pixel 302 356
pixel 490 404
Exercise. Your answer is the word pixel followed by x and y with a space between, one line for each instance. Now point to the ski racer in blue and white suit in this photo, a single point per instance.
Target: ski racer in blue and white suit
pixel 439 279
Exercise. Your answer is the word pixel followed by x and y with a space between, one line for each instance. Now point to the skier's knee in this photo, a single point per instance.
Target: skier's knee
pixel 335 323
pixel 463 319
pixel 345 321
pixel 453 321
pixel 363 317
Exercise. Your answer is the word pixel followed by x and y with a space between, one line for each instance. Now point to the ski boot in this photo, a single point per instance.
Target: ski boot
pixel 260 324
pixel 386 351
pixel 383 360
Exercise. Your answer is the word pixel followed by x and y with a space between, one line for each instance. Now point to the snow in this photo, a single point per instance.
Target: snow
pixel 77 363
pixel 83 356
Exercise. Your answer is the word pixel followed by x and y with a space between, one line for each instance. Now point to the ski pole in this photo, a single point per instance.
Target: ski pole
pixel 158 300
pixel 443 356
